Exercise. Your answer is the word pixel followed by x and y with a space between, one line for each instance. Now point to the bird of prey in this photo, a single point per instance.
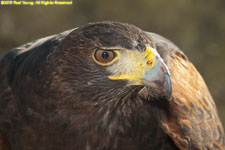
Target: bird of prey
pixel 105 86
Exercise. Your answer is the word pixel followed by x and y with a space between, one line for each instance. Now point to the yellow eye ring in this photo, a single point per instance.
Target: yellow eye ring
pixel 105 57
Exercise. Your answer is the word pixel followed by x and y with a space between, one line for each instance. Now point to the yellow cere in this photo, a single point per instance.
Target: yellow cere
pixel 132 65
pixel 126 76
pixel 149 55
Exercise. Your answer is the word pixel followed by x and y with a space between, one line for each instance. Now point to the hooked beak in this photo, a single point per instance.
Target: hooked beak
pixel 149 70
pixel 159 77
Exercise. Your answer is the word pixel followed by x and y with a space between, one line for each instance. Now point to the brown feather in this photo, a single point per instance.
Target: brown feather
pixel 193 123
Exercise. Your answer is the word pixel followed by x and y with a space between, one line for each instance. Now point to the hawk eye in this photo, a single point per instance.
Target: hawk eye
pixel 104 57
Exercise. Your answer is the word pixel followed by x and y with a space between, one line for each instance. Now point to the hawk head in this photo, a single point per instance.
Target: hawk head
pixel 110 62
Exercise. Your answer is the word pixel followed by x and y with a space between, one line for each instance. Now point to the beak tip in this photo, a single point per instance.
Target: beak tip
pixel 164 86
pixel 168 88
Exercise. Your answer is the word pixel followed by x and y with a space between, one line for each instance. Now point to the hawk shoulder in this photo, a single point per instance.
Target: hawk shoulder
pixel 193 122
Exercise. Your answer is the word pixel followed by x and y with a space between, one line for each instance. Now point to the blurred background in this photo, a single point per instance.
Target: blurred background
pixel 197 27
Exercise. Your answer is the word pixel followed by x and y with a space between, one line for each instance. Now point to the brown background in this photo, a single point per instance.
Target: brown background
pixel 197 27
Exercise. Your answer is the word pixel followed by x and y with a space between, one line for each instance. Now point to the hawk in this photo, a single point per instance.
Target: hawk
pixel 105 86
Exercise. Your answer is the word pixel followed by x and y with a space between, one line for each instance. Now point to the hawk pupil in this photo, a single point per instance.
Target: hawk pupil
pixel 105 55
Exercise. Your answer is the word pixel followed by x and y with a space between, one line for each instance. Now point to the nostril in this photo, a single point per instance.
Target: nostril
pixel 149 62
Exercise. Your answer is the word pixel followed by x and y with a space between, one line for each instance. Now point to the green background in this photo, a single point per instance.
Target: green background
pixel 196 26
